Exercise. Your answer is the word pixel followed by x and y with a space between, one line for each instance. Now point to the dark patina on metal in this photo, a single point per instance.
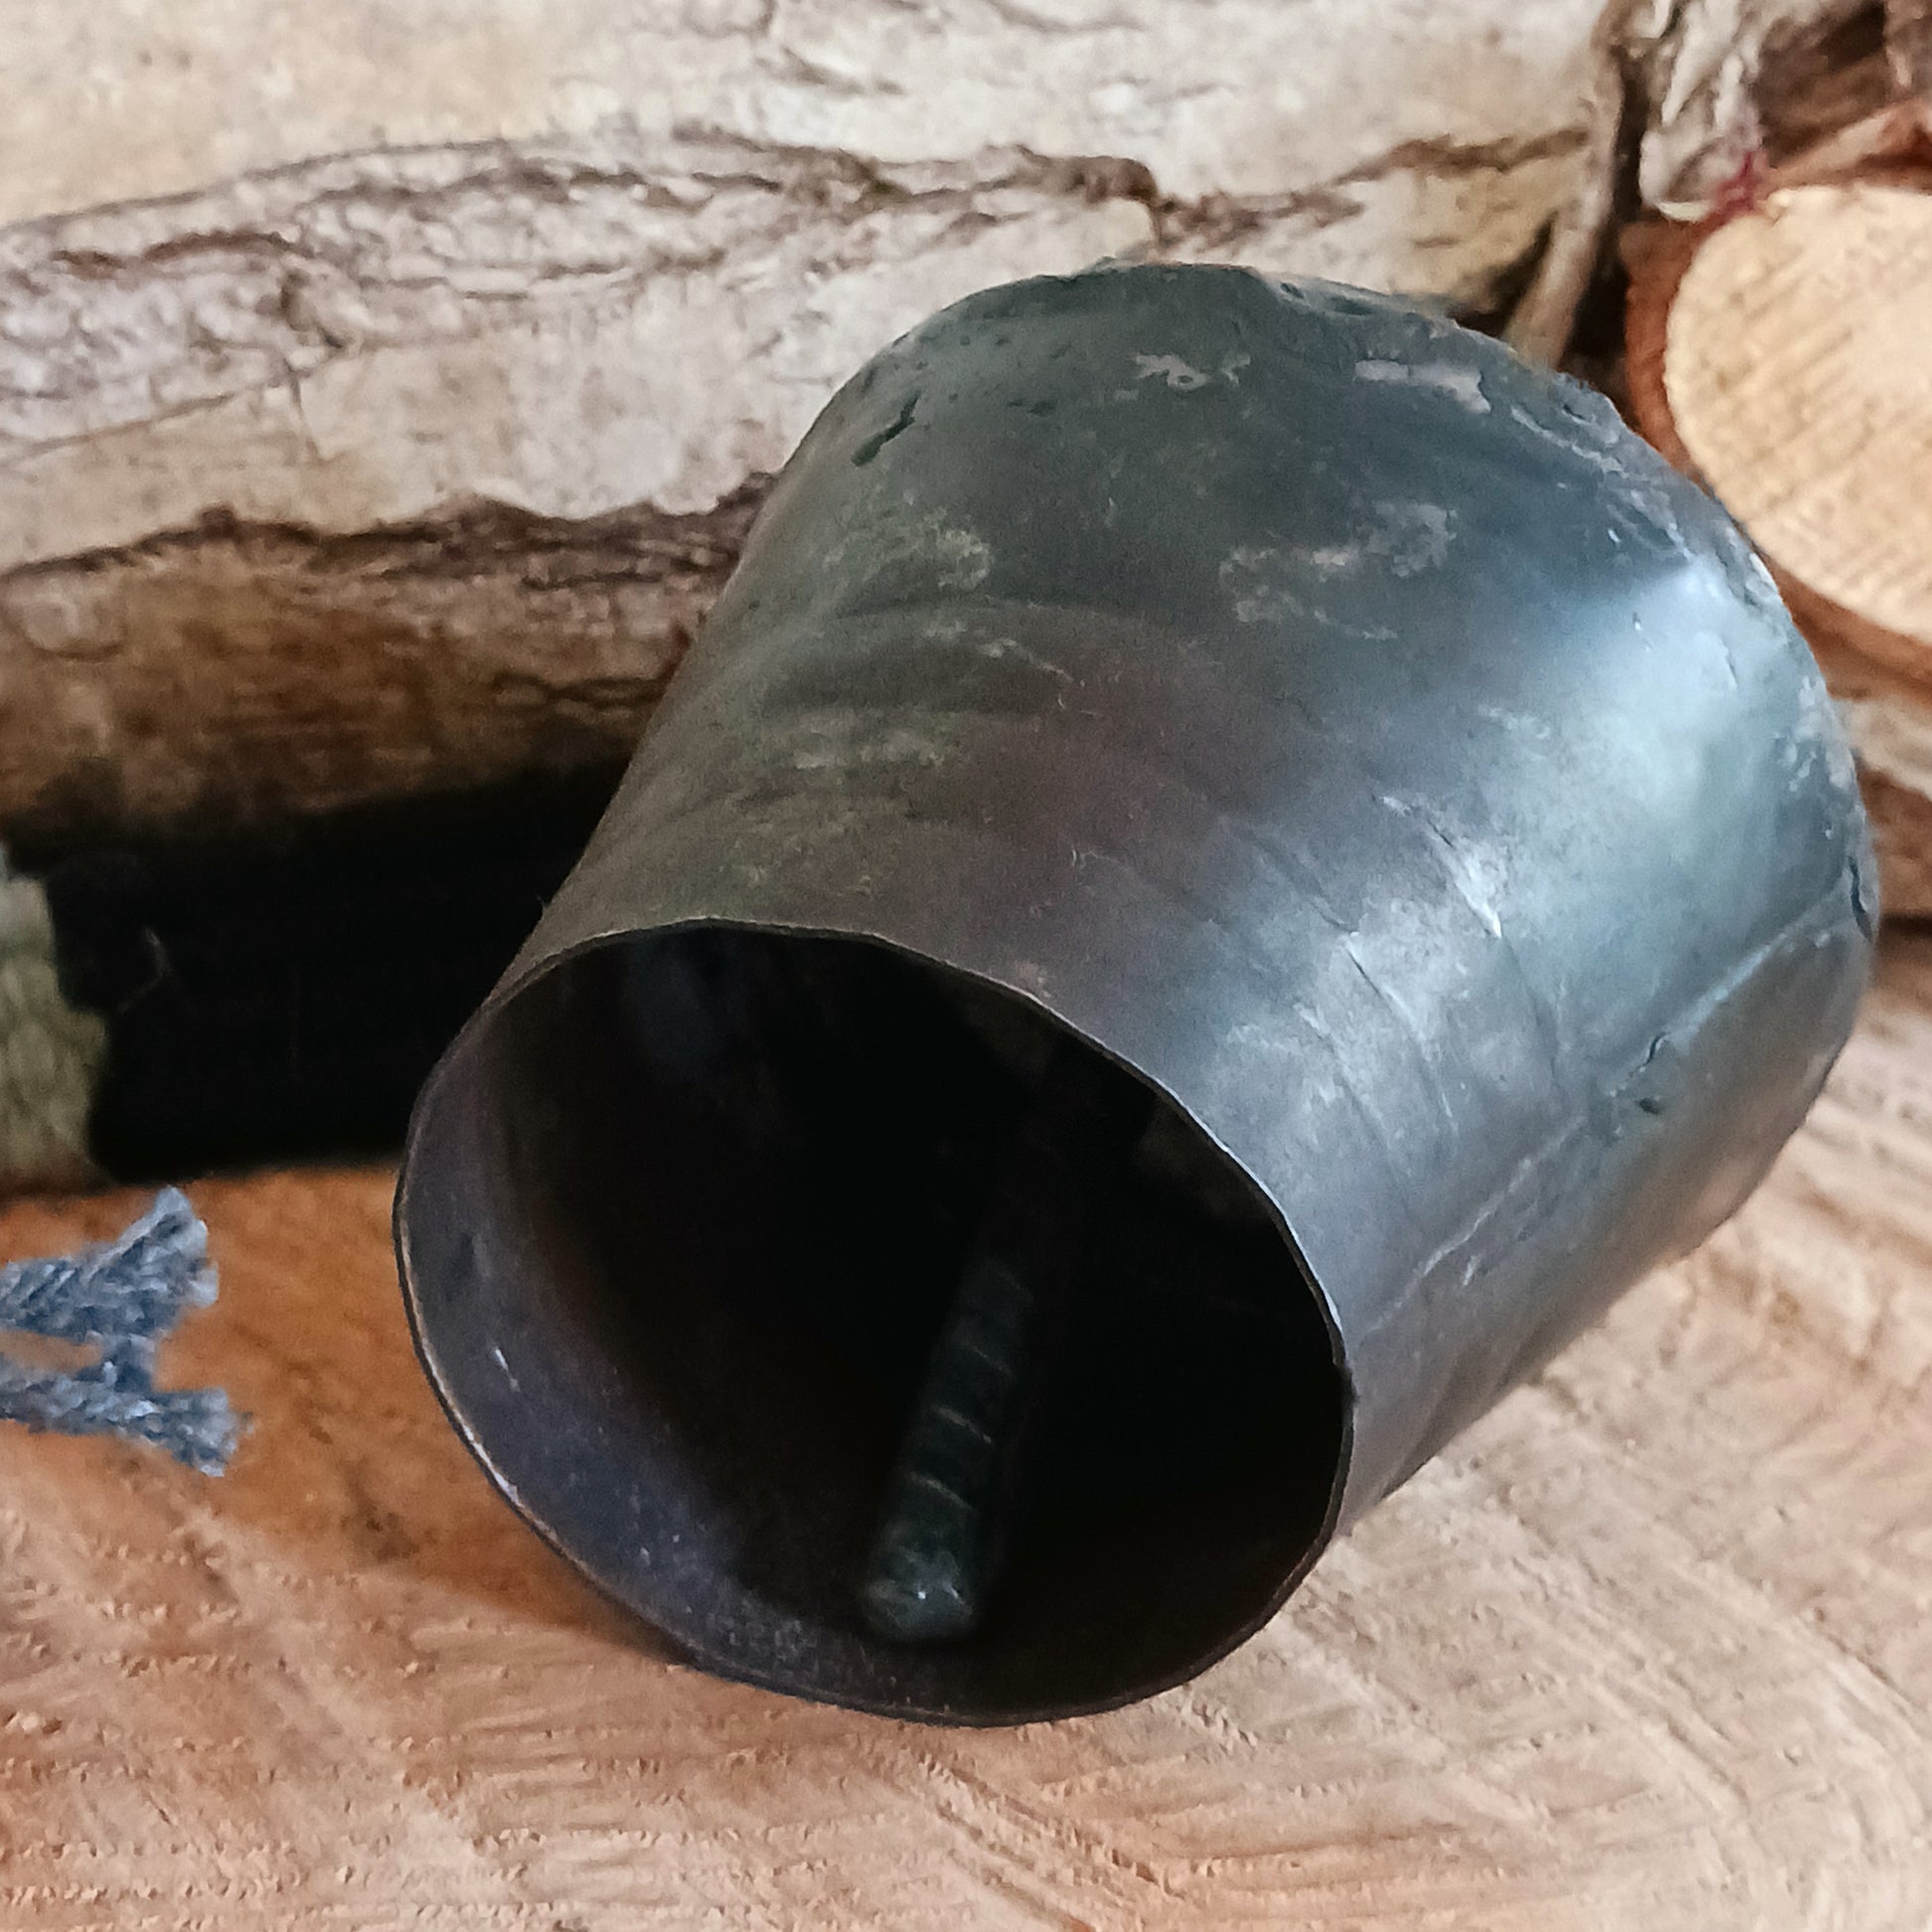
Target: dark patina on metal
pixel 1347 732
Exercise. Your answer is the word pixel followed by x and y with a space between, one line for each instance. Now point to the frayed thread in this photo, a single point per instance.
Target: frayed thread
pixel 122 1297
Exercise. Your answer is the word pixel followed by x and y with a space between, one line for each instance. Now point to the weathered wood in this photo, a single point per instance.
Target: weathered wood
pixel 1796 372
pixel 291 300
pixel 1647 1648
pixel 599 263
pixel 1675 99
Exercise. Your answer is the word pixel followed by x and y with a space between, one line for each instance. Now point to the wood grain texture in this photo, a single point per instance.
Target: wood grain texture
pixel 1797 373
pixel 1647 1648
pixel 1777 356
pixel 236 673
pixel 1775 351
pixel 290 299
pixel 284 295
pixel 1890 718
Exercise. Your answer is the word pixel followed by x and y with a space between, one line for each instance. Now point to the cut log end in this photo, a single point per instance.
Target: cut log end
pixel 1779 356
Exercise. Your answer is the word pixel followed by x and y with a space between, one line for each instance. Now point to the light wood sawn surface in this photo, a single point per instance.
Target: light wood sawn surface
pixel 1649 1647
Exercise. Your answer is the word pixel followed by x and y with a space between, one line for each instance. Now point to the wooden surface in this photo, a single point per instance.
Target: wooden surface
pixel 384 388
pixel 383 392
pixel 1777 357
pixel 1647 1648
pixel 1797 374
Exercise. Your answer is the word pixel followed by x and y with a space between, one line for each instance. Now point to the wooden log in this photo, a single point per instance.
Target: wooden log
pixel 1779 351
pixel 382 395
pixel 381 408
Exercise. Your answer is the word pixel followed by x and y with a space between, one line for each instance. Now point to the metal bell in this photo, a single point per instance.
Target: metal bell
pixel 1233 864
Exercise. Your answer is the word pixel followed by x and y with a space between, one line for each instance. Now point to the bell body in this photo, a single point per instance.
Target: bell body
pixel 1350 730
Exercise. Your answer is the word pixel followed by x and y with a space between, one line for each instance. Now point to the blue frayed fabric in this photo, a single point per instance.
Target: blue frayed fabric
pixel 120 1298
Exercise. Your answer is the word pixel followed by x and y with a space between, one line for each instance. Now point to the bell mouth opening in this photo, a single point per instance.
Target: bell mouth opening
pixel 684 1224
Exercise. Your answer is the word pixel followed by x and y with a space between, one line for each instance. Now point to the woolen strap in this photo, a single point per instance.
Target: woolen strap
pixel 52 1051
pixel 121 1299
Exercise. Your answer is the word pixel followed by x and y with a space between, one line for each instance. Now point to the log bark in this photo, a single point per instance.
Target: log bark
pixel 1645 1649
pixel 326 479
pixel 383 396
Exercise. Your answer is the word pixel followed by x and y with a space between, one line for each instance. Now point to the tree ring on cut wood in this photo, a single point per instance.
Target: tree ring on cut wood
pixel 1781 357
pixel 1798 372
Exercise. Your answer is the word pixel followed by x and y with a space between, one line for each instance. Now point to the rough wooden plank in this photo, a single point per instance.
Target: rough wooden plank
pixel 1647 1648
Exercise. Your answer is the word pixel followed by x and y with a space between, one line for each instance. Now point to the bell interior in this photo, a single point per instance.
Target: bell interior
pixel 684 1219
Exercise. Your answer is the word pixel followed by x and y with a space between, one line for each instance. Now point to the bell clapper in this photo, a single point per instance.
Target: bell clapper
pixel 938 1543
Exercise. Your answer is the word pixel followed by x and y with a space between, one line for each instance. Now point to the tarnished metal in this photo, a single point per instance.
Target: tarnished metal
pixel 1344 727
